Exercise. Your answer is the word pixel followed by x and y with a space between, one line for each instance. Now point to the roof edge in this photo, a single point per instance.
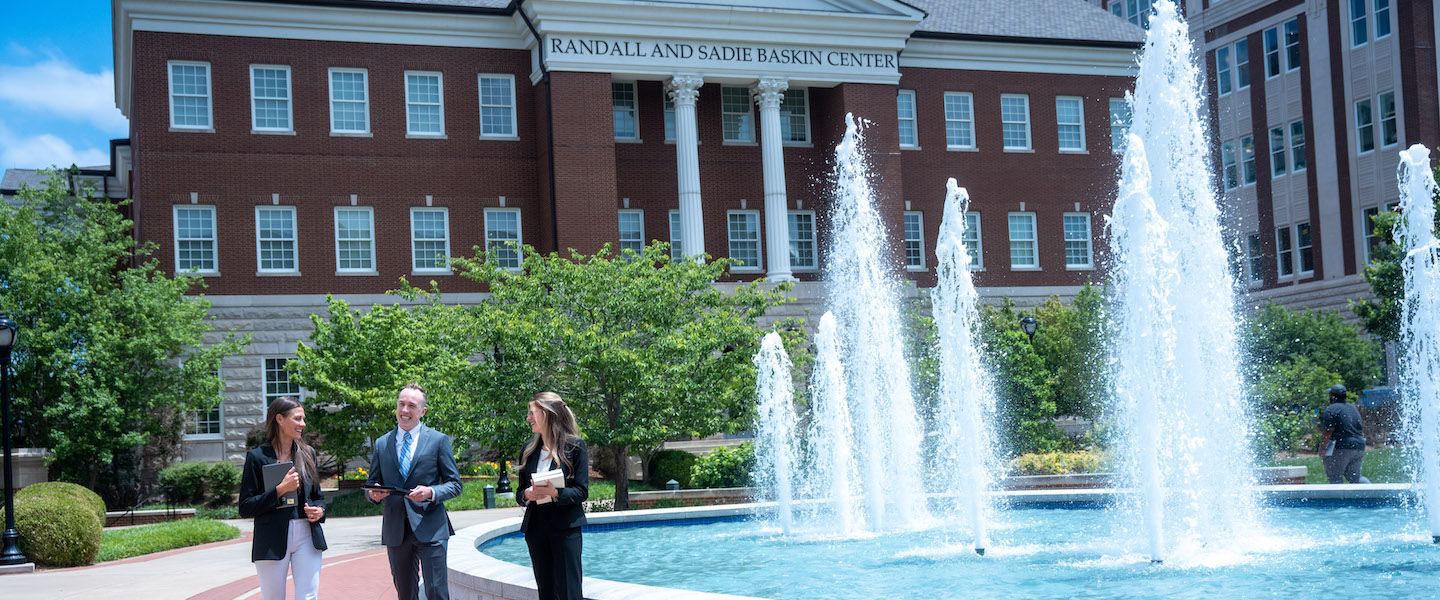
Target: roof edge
pixel 403 6
pixel 1012 39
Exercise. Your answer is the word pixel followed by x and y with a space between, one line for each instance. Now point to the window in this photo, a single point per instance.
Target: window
pixel 1077 241
pixel 1247 159
pixel 959 120
pixel 1119 124
pixel 677 241
pixel 349 101
pixel 1359 30
pixel 424 103
pixel 914 230
pixel 1257 259
pixel 794 117
pixel 736 116
pixel 1389 124
pixel 802 240
pixel 502 236
pixel 1292 44
pixel 1242 64
pixel 1023 254
pixel 625 110
pixel 1284 252
pixel 1015 121
pixel 270 98
pixel 276 239
pixel 1307 256
pixel 632 231
pixel 669 107
pixel 971 239
pixel 1382 18
pixel 497 106
pixel 1297 146
pixel 1222 70
pixel 1364 126
pixel 1136 11
pixel 1271 40
pixel 430 240
pixel 1227 159
pixel 355 240
pixel 204 423
pixel 909 136
pixel 277 380
pixel 744 228
pixel 195 239
pixel 1367 224
pixel 190 95
pixel 1069 117
pixel 1277 151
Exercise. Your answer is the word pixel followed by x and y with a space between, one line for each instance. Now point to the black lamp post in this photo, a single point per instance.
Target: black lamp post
pixel 11 554
pixel 1029 325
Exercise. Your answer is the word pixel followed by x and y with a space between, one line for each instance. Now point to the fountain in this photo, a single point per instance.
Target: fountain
pixel 1420 320
pixel 775 424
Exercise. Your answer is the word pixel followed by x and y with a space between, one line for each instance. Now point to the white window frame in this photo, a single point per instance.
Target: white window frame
pixel 677 237
pixel 1292 47
pixel 1284 257
pixel 330 80
pixel 1119 111
pixel 759 241
pixel 914 120
pixel 1361 127
pixel 1033 240
pixel 1255 259
pixel 439 104
pixel 294 241
pixel 288 100
pixel 1089 263
pixel 917 242
pixel 966 100
pixel 639 248
pixel 1224 84
pixel 214 238
pixel 795 241
pixel 787 119
pixel 672 127
pixel 265 381
pixel 633 110
pixel 1079 125
pixel 1242 64
pixel 1302 249
pixel 1270 51
pixel 1279 164
pixel 519 235
pixel 747 118
pixel 209 96
pixel 1382 20
pixel 1393 119
pixel 1359 22
pixel 1248 174
pixel 1229 161
pixel 415 256
pixel 1028 147
pixel 514 132
pixel 339 270
pixel 974 234
pixel 192 418
pixel 1298 161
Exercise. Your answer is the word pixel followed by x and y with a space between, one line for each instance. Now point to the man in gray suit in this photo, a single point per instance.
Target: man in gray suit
pixel 416 528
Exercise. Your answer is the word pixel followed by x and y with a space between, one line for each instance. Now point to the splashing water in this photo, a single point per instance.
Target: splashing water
pixel 775 442
pixel 832 475
pixel 1177 375
pixel 1420 323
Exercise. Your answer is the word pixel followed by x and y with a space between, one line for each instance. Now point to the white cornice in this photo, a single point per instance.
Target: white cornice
pixel 973 55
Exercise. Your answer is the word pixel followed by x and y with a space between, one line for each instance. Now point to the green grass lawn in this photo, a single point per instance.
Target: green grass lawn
pixel 116 544
pixel 1383 465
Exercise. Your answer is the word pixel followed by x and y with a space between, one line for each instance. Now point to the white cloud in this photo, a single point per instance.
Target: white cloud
pixel 57 87
pixel 45 150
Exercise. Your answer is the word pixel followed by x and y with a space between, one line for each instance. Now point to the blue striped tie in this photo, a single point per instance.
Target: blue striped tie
pixel 405 457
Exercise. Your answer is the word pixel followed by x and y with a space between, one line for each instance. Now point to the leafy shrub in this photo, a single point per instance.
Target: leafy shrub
pixel 1284 431
pixel 197 482
pixel 671 464
pixel 116 544
pixel 222 482
pixel 59 523
pixel 1058 463
pixel 724 467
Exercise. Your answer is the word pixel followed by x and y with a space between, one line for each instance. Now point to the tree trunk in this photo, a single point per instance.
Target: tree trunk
pixel 622 478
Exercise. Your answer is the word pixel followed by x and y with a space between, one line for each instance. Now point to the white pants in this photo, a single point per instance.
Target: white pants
pixel 301 552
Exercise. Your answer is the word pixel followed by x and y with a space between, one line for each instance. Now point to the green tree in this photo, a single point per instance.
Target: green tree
pixel 1071 341
pixel 1276 335
pixel 103 330
pixel 1287 396
pixel 1024 386
pixel 1387 279
pixel 642 349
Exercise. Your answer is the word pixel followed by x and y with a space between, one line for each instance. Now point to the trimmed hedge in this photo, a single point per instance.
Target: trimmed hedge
pixel 200 482
pixel 59 523
pixel 725 467
pixel 671 464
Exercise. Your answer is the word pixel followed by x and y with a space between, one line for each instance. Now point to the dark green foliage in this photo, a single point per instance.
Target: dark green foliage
pixel 116 544
pixel 1276 335
pixel 666 465
pixel 59 523
pixel 213 484
pixel 725 468
pixel 1387 279
pixel 1024 387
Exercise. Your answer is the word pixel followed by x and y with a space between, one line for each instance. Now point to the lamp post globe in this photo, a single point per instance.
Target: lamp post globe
pixel 1029 325
pixel 10 554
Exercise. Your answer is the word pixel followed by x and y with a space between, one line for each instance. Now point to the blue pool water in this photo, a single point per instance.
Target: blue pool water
pixel 1326 552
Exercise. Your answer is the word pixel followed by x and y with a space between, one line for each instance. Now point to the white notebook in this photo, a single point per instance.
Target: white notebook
pixel 556 477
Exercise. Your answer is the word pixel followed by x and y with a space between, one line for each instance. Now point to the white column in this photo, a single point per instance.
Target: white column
pixel 683 90
pixel 768 93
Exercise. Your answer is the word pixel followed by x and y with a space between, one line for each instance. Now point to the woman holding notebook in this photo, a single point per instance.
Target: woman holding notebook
pixel 553 501
pixel 286 505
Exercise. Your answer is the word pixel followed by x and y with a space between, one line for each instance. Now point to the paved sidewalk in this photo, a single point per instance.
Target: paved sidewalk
pixel 355 568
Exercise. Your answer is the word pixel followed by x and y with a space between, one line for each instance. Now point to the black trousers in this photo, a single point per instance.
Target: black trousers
pixel 412 555
pixel 555 554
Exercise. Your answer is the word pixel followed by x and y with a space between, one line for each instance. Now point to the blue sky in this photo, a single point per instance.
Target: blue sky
pixel 57 94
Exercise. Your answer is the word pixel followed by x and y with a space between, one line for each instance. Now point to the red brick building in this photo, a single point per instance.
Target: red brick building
pixel 289 149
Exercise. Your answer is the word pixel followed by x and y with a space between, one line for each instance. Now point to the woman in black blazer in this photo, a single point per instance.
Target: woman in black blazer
pixel 553 516
pixel 285 535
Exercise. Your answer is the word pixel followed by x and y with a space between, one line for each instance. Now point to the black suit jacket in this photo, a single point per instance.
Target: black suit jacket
pixel 272 520
pixel 566 510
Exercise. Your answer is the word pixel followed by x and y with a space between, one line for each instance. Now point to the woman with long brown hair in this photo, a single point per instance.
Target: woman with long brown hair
pixel 286 533
pixel 553 515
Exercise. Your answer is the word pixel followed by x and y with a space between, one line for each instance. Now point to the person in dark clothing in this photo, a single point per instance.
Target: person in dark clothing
pixel 553 515
pixel 1342 447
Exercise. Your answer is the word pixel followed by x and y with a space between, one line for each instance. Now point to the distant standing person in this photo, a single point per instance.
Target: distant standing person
pixel 553 516
pixel 288 539
pixel 1342 447
pixel 415 529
